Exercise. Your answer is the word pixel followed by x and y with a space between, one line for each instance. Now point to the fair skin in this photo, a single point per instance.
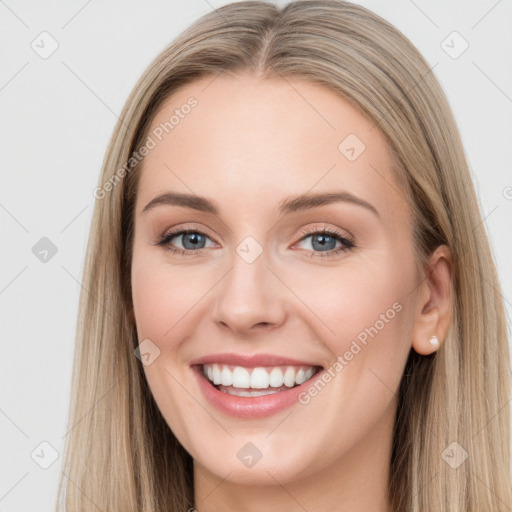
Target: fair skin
pixel 248 145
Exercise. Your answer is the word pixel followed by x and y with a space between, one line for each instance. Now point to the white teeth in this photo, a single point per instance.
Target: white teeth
pixel 244 392
pixel 216 374
pixel 241 378
pixel 300 377
pixel 226 377
pixel 304 375
pixel 276 379
pixel 289 377
pixel 257 378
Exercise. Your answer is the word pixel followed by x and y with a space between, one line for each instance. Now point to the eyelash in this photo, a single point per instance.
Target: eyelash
pixel 348 244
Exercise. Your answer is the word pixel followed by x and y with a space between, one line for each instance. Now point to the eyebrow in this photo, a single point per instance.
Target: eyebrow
pixel 286 206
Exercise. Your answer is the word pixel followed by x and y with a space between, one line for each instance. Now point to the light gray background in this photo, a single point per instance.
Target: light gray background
pixel 57 115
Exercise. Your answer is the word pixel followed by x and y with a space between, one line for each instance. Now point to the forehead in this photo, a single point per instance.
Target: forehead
pixel 253 141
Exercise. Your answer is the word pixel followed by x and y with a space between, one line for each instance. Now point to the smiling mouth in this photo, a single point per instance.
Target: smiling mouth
pixel 256 381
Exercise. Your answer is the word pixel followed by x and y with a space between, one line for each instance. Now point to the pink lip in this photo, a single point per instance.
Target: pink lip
pixel 249 407
pixel 250 360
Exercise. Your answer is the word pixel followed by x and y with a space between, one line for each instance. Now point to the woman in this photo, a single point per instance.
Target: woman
pixel 289 298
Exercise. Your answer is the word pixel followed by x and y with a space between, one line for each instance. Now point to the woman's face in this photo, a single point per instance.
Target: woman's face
pixel 298 259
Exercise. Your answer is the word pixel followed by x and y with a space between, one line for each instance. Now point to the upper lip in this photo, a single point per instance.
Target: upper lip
pixel 250 360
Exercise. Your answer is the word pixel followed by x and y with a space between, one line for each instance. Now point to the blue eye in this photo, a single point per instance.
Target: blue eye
pixel 323 242
pixel 191 241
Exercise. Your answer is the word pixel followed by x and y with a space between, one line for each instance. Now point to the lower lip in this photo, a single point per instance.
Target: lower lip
pixel 248 407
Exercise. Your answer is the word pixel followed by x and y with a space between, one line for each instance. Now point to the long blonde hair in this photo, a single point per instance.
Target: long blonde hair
pixel 120 455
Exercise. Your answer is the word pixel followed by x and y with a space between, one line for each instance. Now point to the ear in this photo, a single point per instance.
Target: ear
pixel 434 302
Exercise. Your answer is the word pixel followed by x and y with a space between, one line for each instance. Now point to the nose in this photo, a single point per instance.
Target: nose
pixel 249 298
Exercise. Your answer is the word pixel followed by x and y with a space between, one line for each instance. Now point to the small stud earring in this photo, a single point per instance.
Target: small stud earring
pixel 434 341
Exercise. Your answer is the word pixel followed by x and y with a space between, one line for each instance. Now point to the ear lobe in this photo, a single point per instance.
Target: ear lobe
pixel 434 305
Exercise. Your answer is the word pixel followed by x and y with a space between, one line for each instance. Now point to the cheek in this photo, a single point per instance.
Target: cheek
pixel 362 312
pixel 163 295
pixel 354 296
pixel 163 301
